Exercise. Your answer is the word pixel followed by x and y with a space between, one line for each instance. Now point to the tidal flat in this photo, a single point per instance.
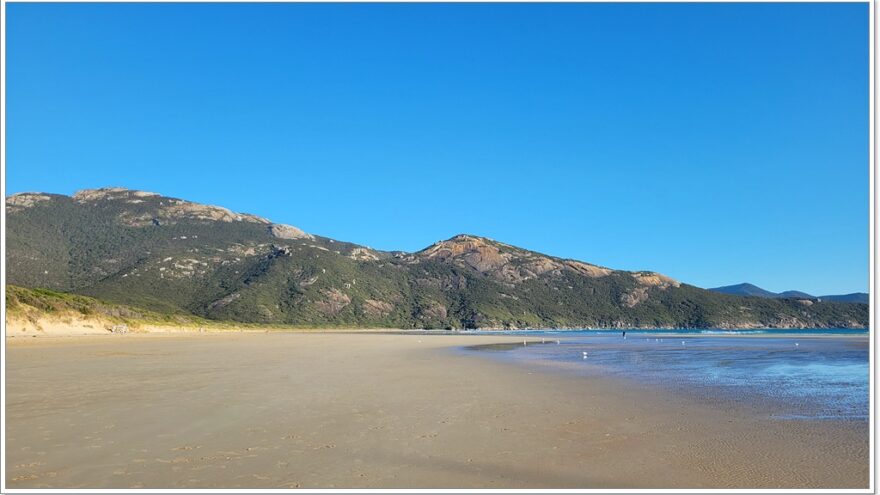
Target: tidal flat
pixel 348 410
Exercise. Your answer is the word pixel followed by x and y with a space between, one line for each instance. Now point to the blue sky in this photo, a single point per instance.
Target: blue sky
pixel 716 143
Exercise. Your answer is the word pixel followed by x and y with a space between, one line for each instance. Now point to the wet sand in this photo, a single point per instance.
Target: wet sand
pixel 311 410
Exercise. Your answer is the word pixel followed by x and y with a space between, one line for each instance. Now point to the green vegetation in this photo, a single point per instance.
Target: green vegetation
pixel 177 261
pixel 32 304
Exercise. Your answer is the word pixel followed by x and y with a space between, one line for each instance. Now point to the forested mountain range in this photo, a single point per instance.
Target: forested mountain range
pixel 169 255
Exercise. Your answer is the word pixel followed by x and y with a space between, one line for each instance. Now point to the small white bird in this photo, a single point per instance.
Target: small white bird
pixel 796 344
pixel 557 342
pixel 585 354
pixel 682 342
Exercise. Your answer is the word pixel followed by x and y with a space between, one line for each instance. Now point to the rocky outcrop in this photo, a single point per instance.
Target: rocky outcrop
pixel 363 254
pixel 154 210
pixel 374 307
pixel 587 269
pixel 279 251
pixel 634 297
pixel 177 209
pixel 333 303
pixel 504 262
pixel 19 201
pixel 282 231
pixel 653 279
pixel 103 193
pixel 476 252
pixel 224 301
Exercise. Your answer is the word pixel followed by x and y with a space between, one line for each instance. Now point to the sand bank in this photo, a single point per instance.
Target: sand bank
pixel 310 410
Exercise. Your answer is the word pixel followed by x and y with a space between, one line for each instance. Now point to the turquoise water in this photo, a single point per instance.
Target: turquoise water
pixel 786 374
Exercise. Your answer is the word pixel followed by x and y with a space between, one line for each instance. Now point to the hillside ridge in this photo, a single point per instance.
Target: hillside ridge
pixel 751 290
pixel 171 255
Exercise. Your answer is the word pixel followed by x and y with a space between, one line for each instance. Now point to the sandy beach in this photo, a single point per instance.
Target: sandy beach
pixel 336 410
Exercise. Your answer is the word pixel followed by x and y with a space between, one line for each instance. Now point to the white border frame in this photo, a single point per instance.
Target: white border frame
pixel 871 247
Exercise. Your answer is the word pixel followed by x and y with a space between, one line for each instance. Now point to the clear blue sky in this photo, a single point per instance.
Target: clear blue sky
pixel 716 143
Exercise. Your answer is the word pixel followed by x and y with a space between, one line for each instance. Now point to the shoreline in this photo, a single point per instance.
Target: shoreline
pixel 767 407
pixel 69 324
pixel 157 331
pixel 378 410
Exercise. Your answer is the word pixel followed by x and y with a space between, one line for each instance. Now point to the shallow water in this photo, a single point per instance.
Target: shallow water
pixel 787 376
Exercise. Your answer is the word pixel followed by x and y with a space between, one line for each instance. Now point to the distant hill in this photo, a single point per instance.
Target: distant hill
pixel 173 256
pixel 795 294
pixel 744 289
pixel 855 297
pixel 750 290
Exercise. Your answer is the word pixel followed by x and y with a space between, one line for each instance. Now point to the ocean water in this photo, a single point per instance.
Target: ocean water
pixel 788 375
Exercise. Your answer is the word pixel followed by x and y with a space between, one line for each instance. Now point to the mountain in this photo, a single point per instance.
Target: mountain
pixel 855 297
pixel 795 294
pixel 174 256
pixel 746 289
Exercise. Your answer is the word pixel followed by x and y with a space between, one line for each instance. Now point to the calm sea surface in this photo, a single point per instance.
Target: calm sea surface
pixel 788 374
